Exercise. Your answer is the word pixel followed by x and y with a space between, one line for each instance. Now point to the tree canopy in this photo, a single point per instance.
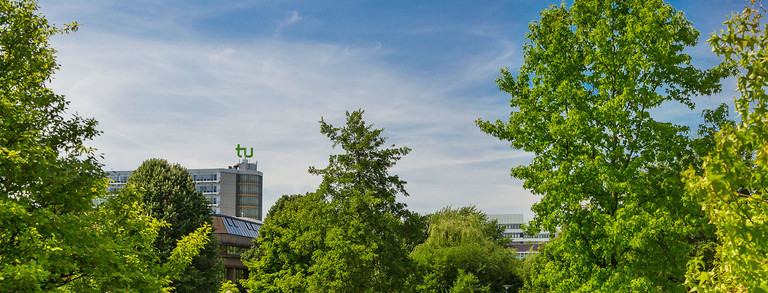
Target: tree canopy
pixel 351 235
pixel 52 237
pixel 465 253
pixel 608 171
pixel 732 186
pixel 170 196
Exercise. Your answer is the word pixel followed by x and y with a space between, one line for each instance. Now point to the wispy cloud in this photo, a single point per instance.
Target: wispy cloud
pixel 189 81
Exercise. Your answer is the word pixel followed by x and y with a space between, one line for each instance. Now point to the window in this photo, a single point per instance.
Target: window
pixel 249 178
pixel 248 188
pixel 207 188
pixel 249 200
pixel 241 274
pixel 248 212
pixel 213 199
pixel 205 177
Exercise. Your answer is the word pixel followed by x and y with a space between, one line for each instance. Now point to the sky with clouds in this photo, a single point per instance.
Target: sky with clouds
pixel 189 80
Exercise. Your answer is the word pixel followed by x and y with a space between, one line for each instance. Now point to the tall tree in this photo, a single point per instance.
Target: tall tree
pixel 465 253
pixel 733 186
pixel 52 238
pixel 170 196
pixel 47 176
pixel 351 235
pixel 609 173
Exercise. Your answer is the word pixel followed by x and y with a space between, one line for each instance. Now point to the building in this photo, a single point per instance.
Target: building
pixel 235 236
pixel 235 191
pixel 522 243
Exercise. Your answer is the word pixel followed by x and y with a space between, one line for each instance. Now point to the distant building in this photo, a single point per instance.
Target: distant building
pixel 235 236
pixel 235 191
pixel 524 244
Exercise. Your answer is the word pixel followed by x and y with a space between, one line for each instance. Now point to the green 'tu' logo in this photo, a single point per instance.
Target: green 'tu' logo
pixel 238 149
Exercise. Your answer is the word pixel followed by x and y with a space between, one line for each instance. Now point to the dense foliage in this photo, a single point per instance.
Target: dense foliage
pixel 465 253
pixel 733 186
pixel 52 238
pixel 609 173
pixel 170 196
pixel 351 235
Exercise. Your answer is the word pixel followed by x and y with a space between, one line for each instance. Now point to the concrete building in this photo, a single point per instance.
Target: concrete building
pixel 524 244
pixel 235 191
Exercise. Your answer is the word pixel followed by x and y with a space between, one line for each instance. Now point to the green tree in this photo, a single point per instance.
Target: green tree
pixel 465 253
pixel 52 238
pixel 609 173
pixel 48 177
pixel 732 186
pixel 170 196
pixel 126 260
pixel 351 235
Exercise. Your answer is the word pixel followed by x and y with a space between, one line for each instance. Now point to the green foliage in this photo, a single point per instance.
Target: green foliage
pixel 351 235
pixel 228 287
pixel 48 178
pixel 732 187
pixel 170 196
pixel 467 283
pixel 609 173
pixel 52 238
pixel 465 253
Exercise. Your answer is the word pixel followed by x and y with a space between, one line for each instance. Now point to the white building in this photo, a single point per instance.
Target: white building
pixel 524 244
pixel 235 191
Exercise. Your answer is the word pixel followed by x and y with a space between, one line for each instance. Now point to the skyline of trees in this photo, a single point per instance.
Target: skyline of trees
pixel 640 204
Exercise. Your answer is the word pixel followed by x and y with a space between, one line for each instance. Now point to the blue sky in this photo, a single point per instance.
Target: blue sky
pixel 189 80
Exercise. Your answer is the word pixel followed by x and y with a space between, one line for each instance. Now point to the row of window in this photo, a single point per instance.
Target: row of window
pixel 205 177
pixel 207 188
pixel 522 235
pixel 510 226
pixel 249 178
pixel 213 199
pixel 249 200
pixel 248 188
pixel 233 250
pixel 250 212
pixel 119 179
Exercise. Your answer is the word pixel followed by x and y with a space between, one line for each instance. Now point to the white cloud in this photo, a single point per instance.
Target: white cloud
pixel 193 102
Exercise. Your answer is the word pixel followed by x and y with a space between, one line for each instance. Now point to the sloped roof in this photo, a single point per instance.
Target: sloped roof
pixel 236 226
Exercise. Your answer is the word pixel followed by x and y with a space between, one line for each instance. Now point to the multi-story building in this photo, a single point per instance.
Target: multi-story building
pixel 235 236
pixel 235 191
pixel 523 243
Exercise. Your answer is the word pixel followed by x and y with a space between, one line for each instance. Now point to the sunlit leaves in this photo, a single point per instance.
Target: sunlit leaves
pixel 608 171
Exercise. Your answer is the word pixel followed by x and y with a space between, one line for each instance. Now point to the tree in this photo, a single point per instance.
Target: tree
pixel 732 186
pixel 465 253
pixel 351 235
pixel 52 238
pixel 47 176
pixel 609 173
pixel 170 196
pixel 126 260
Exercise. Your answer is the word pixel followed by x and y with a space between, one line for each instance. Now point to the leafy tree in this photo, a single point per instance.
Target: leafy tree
pixel 48 178
pixel 126 260
pixel 732 187
pixel 609 173
pixel 170 196
pixel 351 235
pixel 465 253
pixel 52 238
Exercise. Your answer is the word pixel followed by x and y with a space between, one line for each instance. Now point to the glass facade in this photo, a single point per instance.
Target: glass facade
pixel 250 212
pixel 249 196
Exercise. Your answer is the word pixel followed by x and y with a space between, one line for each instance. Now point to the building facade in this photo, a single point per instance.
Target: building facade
pixel 524 244
pixel 235 236
pixel 235 191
